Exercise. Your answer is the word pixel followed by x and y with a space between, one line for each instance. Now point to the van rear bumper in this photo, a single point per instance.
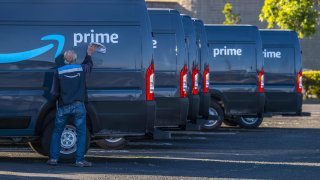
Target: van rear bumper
pixel 204 105
pixel 194 105
pixel 245 104
pixel 150 116
pixel 171 111
pixel 124 118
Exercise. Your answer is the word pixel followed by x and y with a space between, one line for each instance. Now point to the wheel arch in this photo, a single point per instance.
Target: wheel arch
pixel 42 122
pixel 220 99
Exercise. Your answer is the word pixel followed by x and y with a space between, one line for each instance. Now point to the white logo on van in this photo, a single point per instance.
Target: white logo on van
pixel 155 43
pixel 79 38
pixel 225 51
pixel 272 54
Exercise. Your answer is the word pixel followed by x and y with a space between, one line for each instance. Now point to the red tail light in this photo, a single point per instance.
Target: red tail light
pixel 206 80
pixel 195 80
pixel 261 81
pixel 183 82
pixel 150 83
pixel 299 82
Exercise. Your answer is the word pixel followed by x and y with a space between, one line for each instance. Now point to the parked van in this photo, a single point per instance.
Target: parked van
pixel 283 71
pixel 211 117
pixel 34 35
pixel 170 59
pixel 193 68
pixel 237 74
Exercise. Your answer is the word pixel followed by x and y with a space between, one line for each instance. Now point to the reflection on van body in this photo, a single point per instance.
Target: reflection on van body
pixel 282 59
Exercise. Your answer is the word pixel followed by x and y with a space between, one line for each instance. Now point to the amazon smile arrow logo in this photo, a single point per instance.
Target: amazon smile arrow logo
pixel 22 56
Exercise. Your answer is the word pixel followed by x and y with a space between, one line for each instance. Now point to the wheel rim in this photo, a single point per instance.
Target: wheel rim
pixel 68 140
pixel 249 120
pixel 113 139
pixel 210 123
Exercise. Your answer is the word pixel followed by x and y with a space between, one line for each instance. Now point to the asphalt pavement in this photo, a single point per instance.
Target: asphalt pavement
pixel 282 148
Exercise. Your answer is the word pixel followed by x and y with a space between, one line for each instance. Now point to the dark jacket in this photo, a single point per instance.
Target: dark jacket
pixel 69 82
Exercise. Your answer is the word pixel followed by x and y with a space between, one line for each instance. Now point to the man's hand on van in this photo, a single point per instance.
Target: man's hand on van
pixel 91 49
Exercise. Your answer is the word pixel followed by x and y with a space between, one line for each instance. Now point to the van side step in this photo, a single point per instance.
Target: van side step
pixel 304 114
pixel 268 115
pixel 110 133
pixel 160 134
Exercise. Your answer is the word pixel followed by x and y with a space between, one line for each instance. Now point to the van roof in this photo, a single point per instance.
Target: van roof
pixel 232 33
pixel 278 36
pixel 188 25
pixel 165 19
pixel 97 11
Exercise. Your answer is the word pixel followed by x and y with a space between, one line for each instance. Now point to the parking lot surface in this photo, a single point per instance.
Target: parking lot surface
pixel 283 148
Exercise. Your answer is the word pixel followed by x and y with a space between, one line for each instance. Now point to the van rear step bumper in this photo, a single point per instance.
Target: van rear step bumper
pixel 171 112
pixel 286 114
pixel 194 107
pixel 205 100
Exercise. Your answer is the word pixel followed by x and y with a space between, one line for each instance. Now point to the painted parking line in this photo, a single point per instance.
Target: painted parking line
pixel 219 160
pixel 149 144
pixel 202 133
pixel 189 138
pixel 15 149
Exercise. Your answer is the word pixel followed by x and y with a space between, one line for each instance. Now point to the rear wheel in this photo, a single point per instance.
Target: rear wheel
pixel 111 143
pixel 249 122
pixel 68 141
pixel 215 118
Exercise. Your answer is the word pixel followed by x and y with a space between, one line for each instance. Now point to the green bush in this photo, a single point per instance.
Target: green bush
pixel 311 83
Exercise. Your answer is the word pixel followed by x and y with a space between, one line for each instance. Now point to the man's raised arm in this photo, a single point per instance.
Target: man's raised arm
pixel 87 63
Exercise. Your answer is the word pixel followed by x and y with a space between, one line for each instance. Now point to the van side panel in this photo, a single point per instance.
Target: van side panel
pixel 32 46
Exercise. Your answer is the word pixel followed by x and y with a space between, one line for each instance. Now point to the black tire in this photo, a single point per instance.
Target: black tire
pixel 65 154
pixel 37 147
pixel 111 143
pixel 230 122
pixel 249 122
pixel 215 119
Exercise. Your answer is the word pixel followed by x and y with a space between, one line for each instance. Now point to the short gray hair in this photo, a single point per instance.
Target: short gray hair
pixel 74 55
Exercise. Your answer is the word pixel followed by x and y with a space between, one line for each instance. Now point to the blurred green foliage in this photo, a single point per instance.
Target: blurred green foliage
pixel 299 15
pixel 230 17
pixel 311 83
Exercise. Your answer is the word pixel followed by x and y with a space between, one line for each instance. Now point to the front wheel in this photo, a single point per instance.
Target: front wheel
pixel 111 143
pixel 37 147
pixel 215 118
pixel 249 122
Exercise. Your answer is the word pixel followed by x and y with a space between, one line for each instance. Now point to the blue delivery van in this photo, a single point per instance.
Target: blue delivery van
pixel 237 73
pixel 283 72
pixel 34 35
pixel 210 115
pixel 170 60
pixel 193 68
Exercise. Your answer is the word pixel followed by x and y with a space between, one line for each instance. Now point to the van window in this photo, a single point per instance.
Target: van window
pixel 236 57
pixel 165 51
pixel 279 60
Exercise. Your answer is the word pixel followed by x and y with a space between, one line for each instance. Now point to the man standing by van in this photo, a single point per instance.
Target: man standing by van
pixel 69 88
